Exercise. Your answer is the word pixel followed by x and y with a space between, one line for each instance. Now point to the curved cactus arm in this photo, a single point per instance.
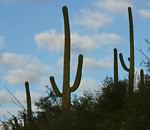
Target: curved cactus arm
pixel 123 63
pixel 78 74
pixel 54 86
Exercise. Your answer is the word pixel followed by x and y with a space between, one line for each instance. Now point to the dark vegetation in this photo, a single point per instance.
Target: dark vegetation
pixel 118 105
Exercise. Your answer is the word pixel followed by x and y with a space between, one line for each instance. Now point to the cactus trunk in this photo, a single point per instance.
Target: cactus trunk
pixel 130 69
pixel 66 73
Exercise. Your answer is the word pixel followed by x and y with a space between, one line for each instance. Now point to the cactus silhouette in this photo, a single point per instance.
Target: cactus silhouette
pixel 115 66
pixel 130 69
pixel 141 86
pixel 29 107
pixel 67 89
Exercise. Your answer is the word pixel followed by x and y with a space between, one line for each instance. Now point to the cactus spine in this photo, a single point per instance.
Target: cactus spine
pixel 115 66
pixel 29 106
pixel 66 94
pixel 130 69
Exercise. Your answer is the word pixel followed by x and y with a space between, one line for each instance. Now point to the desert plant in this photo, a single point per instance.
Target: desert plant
pixel 129 69
pixel 29 122
pixel 115 66
pixel 142 84
pixel 66 94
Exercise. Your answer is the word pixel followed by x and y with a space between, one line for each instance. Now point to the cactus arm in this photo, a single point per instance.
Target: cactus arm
pixel 54 86
pixel 123 63
pixel 78 74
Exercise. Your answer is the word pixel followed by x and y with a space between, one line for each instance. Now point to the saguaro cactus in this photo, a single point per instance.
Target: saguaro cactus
pixel 29 106
pixel 115 66
pixel 130 69
pixel 66 94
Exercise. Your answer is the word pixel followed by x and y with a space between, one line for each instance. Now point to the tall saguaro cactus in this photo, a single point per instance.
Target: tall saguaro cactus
pixel 67 89
pixel 29 106
pixel 130 69
pixel 115 66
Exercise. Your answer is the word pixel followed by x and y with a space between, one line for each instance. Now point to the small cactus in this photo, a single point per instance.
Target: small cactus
pixel 66 94
pixel 130 69
pixel 29 106
pixel 141 85
pixel 115 66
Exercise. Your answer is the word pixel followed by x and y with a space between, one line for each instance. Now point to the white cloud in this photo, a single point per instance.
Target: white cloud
pixel 53 41
pixel 23 1
pixel 19 68
pixel 110 38
pixel 87 85
pixel 2 43
pixel 91 63
pixel 3 99
pixel 114 6
pixel 4 113
pixel 144 13
pixel 8 105
pixel 93 19
pixel 22 96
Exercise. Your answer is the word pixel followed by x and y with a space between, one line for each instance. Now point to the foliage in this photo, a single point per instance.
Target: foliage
pixel 112 109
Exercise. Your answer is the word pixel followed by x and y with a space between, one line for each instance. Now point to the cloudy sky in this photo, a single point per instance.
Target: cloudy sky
pixel 31 42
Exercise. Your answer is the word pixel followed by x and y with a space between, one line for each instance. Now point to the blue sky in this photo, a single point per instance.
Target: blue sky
pixel 31 42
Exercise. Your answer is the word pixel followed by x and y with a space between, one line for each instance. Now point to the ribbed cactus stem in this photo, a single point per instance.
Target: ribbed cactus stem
pixel 130 69
pixel 67 89
pixel 66 74
pixel 29 106
pixel 115 66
